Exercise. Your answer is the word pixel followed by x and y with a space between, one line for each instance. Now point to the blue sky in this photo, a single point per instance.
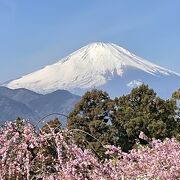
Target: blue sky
pixel 35 33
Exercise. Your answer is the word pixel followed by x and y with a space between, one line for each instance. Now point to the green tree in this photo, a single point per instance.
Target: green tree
pixel 91 118
pixel 119 121
pixel 52 125
pixel 176 94
pixel 142 110
pixel 176 99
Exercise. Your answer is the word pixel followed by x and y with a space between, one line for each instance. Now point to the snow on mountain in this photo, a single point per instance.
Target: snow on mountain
pixel 94 65
pixel 134 83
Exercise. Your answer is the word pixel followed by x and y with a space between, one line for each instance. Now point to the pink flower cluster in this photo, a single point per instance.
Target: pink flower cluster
pixel 27 154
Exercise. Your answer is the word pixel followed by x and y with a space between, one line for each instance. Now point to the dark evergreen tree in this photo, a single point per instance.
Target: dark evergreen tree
pixel 176 99
pixel 92 115
pixel 90 120
pixel 119 121
pixel 176 94
pixel 52 125
pixel 142 110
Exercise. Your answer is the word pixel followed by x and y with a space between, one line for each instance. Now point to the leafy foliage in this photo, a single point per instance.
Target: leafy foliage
pixel 54 125
pixel 176 94
pixel 91 115
pixel 142 110
pixel 119 121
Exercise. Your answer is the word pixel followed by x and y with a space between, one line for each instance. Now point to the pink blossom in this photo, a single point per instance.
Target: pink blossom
pixel 23 155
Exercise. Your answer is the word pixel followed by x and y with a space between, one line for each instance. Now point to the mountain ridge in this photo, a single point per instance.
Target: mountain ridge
pixel 30 105
pixel 92 66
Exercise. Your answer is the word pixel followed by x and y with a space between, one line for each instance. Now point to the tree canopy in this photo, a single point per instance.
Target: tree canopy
pixel 119 121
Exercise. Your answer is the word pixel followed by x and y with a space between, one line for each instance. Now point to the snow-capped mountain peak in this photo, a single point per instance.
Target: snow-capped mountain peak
pixel 91 66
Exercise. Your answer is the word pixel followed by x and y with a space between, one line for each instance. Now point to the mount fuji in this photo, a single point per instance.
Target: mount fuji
pixel 105 66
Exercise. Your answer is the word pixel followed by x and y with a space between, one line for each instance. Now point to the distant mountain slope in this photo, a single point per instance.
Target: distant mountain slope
pixel 102 65
pixel 22 95
pixel 58 101
pixel 28 104
pixel 11 109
